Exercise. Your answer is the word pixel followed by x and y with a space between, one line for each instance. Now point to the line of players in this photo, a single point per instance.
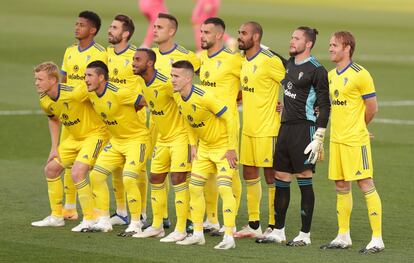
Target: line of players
pixel 196 128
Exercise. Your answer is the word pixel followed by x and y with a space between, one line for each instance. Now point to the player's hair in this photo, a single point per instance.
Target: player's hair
pixel 347 39
pixel 127 24
pixel 216 21
pixel 185 64
pixel 93 18
pixel 100 68
pixel 310 34
pixel 257 28
pixel 49 67
pixel 171 18
pixel 151 54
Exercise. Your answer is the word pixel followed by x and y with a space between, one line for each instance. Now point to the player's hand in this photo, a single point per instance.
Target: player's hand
pixel 279 107
pixel 371 135
pixel 231 157
pixel 315 148
pixel 193 153
pixel 52 155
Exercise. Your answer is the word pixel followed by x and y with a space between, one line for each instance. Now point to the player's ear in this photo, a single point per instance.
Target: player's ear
pixel 309 44
pixel 92 31
pixel 125 34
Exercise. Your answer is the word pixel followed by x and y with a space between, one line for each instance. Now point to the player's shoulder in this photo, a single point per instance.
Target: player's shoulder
pixel 267 53
pixel 110 48
pixel 315 62
pixel 199 91
pixel 357 68
pixel 66 88
pixel 160 76
pixel 182 49
pixel 132 47
pixel 42 96
pixel 110 86
pixel 98 47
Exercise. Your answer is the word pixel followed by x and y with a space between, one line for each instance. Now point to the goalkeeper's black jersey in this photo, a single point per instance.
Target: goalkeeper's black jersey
pixel 305 87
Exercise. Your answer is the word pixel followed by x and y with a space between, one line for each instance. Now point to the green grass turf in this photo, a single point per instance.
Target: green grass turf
pixel 35 31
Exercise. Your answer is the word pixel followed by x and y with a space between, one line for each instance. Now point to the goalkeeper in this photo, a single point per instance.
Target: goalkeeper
pixel 301 134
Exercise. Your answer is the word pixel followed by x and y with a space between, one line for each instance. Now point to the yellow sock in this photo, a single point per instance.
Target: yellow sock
pixel 142 182
pixel 182 199
pixel 374 211
pixel 188 183
pixel 133 196
pixel 158 200
pixel 211 196
pixel 119 190
pixel 254 195
pixel 197 203
pixel 224 185
pixel 167 190
pixel 55 191
pixel 343 210
pixel 271 197
pixel 85 199
pixel 237 189
pixel 100 189
pixel 70 190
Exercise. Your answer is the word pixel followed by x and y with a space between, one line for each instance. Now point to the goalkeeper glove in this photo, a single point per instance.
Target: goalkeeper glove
pixel 315 148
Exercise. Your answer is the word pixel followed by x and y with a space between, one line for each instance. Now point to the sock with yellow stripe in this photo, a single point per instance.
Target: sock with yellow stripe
pixel 224 185
pixel 343 210
pixel 142 182
pixel 100 189
pixel 167 190
pixel 119 190
pixel 271 203
pixel 70 190
pixel 374 211
pixel 158 200
pixel 182 202
pixel 211 196
pixel 197 203
pixel 237 189
pixel 133 195
pixel 85 199
pixel 254 195
pixel 55 192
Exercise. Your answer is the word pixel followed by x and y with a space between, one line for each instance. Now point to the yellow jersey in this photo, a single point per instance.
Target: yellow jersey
pixel 348 90
pixel 220 73
pixel 260 78
pixel 116 107
pixel 158 94
pixel 74 111
pixel 75 61
pixel 209 118
pixel 177 53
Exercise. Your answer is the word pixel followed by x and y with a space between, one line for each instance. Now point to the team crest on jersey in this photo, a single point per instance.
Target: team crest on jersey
pixel 218 63
pixel 65 117
pixel 345 80
pixel 300 75
pixel 103 115
pixel 156 93
pixel 115 71
pixel 289 85
pixel 66 105
pixel 88 57
pixel 69 57
pixel 190 118
pixel 336 93
pixel 110 60
pixel 75 68
pixel 194 107
pixel 51 109
pixel 171 61
pixel 109 104
pixel 287 71
pixel 151 104
pixel 254 68
pixel 245 79
pixel 206 74
pixel 126 62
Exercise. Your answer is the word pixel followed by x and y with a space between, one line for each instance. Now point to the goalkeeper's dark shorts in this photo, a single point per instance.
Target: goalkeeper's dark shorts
pixel 292 141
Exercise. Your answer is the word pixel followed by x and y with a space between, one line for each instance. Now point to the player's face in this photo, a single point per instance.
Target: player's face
pixel 337 51
pixel 83 28
pixel 208 35
pixel 297 43
pixel 43 81
pixel 180 78
pixel 115 32
pixel 139 65
pixel 162 30
pixel 245 38
pixel 92 79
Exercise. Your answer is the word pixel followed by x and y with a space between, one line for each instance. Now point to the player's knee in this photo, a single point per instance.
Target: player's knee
pixel 129 182
pixel 157 179
pixel 366 184
pixel 178 178
pixel 342 185
pixel 250 172
pixel 97 178
pixel 52 170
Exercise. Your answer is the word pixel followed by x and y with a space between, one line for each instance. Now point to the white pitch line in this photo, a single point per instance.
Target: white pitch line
pixel 396 103
pixel 393 121
pixel 19 112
